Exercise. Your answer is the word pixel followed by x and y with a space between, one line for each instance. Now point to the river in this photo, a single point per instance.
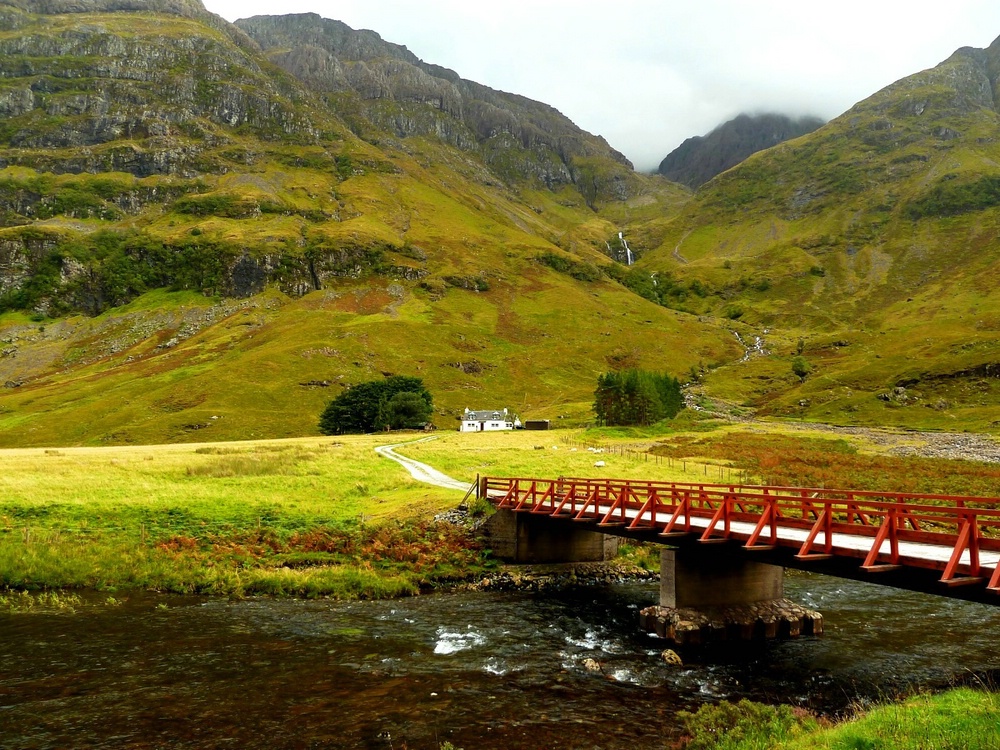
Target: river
pixel 480 670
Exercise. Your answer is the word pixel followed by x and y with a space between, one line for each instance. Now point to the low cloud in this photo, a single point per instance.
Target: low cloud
pixel 646 74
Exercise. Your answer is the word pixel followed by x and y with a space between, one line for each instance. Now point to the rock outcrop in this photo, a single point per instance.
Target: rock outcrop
pixel 518 138
pixel 107 99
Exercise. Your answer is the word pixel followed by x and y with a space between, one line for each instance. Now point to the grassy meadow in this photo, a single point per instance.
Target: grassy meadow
pixel 305 517
pixel 298 517
pixel 329 517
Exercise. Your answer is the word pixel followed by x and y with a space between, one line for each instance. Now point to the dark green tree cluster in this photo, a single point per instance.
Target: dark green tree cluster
pixel 116 267
pixel 398 402
pixel 636 397
pixel 578 269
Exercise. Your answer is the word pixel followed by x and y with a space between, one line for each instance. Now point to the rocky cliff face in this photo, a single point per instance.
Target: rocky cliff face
pixel 701 158
pixel 110 95
pixel 517 137
pixel 151 144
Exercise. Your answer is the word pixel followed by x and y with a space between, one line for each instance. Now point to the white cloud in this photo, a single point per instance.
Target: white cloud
pixel 646 74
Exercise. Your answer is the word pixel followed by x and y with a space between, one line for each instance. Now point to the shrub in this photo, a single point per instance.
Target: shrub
pixel 951 197
pixel 801 368
pixel 743 724
pixel 579 270
pixel 378 404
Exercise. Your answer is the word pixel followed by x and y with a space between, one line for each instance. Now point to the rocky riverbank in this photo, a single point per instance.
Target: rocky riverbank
pixel 559 576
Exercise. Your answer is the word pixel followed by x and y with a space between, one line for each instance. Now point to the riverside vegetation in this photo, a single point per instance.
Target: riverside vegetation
pixel 960 718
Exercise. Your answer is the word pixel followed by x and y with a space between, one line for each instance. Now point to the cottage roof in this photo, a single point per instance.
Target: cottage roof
pixel 484 415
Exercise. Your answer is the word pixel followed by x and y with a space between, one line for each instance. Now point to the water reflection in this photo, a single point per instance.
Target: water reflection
pixel 479 670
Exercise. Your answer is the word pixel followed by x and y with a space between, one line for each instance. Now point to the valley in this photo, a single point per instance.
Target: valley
pixel 210 230
pixel 293 243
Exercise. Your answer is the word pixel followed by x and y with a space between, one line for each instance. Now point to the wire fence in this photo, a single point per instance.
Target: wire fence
pixel 722 473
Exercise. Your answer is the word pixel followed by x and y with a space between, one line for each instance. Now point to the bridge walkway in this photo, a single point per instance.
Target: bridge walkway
pixel 955 535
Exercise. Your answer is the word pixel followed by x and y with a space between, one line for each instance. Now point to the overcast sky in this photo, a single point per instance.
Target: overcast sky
pixel 646 74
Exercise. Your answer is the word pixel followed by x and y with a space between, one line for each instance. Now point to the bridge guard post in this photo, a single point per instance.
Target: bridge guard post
pixel 721 597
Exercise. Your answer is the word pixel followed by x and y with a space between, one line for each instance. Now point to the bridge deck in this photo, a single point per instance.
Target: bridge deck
pixel 915 550
pixel 958 536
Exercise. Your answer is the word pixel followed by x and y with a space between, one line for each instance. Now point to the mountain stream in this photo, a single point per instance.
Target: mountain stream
pixel 480 670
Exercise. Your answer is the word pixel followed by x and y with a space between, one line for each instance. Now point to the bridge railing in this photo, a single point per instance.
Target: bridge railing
pixel 886 530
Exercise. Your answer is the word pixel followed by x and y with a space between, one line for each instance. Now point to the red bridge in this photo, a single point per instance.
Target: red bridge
pixel 940 544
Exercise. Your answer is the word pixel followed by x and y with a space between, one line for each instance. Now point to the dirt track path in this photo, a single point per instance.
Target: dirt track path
pixel 420 471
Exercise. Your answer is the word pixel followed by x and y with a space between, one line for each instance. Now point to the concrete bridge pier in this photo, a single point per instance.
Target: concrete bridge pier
pixel 707 592
pixel 719 595
pixel 524 538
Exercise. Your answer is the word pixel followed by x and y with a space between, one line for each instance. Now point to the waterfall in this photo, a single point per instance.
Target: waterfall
pixel 629 260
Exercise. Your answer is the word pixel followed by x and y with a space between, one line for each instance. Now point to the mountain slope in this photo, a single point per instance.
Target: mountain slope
pixel 519 139
pixel 871 241
pixel 699 159
pixel 196 245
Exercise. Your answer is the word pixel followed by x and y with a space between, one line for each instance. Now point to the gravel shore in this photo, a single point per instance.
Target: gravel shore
pixel 963 446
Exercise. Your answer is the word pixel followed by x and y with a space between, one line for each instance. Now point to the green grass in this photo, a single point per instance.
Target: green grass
pixel 963 719
pixel 293 518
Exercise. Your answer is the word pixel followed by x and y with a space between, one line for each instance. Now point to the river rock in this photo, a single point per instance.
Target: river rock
pixel 767 620
pixel 557 576
pixel 670 656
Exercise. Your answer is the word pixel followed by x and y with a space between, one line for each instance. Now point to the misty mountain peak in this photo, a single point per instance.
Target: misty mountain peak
pixel 700 158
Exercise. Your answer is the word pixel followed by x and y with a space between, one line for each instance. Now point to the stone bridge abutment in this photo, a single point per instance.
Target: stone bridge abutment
pixel 707 593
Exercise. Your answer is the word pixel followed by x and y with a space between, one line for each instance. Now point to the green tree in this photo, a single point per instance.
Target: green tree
pixel 800 368
pixel 636 397
pixel 376 405
pixel 407 410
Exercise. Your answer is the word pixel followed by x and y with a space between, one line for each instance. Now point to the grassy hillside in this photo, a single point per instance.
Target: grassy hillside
pixel 868 249
pixel 255 254
pixel 201 241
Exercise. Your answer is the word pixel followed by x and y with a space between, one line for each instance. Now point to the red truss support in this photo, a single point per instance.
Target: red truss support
pixel 824 524
pixel 968 539
pixel 886 531
pixel 769 516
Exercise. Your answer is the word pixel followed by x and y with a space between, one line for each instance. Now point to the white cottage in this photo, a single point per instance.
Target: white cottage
pixel 488 421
